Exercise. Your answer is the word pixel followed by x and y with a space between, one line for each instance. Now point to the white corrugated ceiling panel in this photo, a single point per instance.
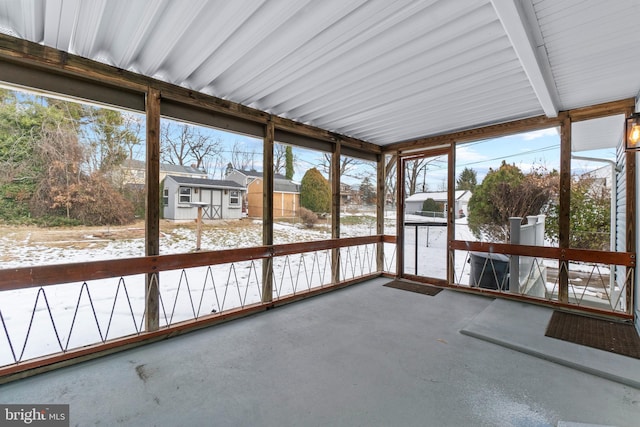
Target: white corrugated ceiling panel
pixel 592 48
pixel 379 70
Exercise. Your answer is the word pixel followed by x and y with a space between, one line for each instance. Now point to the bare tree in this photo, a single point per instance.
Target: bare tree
pixel 203 149
pixel 413 169
pixel 188 145
pixel 279 158
pixel 175 143
pixel 134 124
pixel 241 159
pixel 391 179
pixel 347 164
pixel 219 166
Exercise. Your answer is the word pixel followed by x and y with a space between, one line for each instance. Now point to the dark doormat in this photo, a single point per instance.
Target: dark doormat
pixel 609 336
pixel 414 287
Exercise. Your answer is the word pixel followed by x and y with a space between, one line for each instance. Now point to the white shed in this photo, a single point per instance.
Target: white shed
pixel 220 199
pixel 413 204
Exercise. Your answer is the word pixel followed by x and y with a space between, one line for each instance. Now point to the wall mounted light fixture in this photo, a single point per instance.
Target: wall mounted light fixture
pixel 632 132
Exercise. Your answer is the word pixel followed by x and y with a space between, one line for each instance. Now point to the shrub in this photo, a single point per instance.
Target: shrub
pixel 508 192
pixel 430 205
pixel 315 192
pixel 308 218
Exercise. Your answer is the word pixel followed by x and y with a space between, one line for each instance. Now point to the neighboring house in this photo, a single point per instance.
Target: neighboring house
pixel 219 199
pixel 602 178
pixel 348 195
pixel 413 204
pixel 286 193
pixel 133 172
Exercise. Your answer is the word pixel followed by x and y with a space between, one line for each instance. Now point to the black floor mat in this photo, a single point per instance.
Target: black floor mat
pixel 602 334
pixel 414 287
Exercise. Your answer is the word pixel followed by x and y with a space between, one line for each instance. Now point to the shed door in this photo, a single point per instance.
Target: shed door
pixel 214 210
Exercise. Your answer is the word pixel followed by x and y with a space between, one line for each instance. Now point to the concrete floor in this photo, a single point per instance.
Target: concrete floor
pixel 366 355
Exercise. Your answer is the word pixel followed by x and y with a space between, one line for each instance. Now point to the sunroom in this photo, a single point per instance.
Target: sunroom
pixel 522 105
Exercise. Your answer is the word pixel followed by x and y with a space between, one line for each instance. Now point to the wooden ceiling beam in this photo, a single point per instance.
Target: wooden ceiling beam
pixel 517 126
pixel 492 131
pixel 602 110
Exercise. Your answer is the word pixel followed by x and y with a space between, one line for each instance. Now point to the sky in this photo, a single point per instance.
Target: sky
pixel 540 148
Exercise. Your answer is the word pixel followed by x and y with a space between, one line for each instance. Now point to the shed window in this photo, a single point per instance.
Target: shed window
pixel 185 195
pixel 234 197
pixel 165 197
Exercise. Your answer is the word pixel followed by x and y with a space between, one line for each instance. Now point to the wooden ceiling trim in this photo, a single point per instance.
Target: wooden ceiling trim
pixel 492 131
pixel 517 126
pixel 602 110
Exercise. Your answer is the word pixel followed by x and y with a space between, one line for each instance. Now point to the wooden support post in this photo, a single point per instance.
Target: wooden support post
pixel 380 200
pixel 335 212
pixel 451 213
pixel 152 226
pixel 267 211
pixel 631 198
pixel 399 216
pixel 565 206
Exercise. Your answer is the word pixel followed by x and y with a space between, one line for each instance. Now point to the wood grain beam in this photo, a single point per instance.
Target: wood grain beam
pixel 492 131
pixel 335 212
pixel 380 201
pixel 516 126
pixel 564 203
pixel 152 223
pixel 602 110
pixel 399 216
pixel 631 213
pixel 267 211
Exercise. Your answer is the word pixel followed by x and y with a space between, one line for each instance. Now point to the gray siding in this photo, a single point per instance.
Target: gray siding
pixel 216 202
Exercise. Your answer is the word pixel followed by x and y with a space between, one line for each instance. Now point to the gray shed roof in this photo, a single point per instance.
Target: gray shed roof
pixel 256 174
pixel 164 167
pixel 206 183
pixel 285 186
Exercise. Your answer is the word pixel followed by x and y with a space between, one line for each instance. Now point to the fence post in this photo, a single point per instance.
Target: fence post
pixel 514 261
pixel 540 228
pixel 416 253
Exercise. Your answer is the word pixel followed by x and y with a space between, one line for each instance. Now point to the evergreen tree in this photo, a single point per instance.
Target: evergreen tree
pixel 508 192
pixel 289 172
pixel 315 192
pixel 367 191
pixel 467 180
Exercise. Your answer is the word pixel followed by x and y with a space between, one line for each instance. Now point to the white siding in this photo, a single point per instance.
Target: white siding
pixel 621 212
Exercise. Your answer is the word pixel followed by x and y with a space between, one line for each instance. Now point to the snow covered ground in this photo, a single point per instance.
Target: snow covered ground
pixel 40 321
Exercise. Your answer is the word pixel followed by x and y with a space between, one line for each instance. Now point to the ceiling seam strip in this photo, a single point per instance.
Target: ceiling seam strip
pixel 514 26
